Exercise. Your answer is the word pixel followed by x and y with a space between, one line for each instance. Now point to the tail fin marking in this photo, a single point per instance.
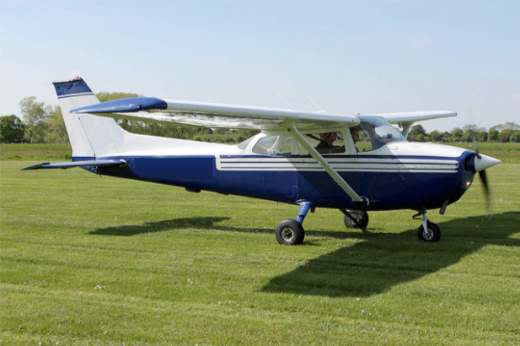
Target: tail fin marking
pixel 90 136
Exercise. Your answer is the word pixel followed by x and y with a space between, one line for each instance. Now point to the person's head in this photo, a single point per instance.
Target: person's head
pixel 355 134
pixel 330 137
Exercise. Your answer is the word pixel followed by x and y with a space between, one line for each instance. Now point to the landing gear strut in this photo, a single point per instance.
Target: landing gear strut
pixel 428 231
pixel 355 218
pixel 291 232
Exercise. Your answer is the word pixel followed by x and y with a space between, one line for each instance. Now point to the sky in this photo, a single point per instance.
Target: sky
pixel 347 56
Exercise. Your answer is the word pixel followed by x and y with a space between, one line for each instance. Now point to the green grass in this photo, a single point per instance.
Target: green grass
pixel 90 260
pixel 28 152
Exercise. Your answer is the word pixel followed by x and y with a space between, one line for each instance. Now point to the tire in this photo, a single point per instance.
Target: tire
pixel 290 232
pixel 433 233
pixel 359 219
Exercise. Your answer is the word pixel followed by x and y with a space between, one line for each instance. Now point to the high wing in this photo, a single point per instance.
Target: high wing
pixel 407 117
pixel 215 115
pixel 152 109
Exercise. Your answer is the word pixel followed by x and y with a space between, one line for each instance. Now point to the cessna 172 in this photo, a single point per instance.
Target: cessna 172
pixel 293 159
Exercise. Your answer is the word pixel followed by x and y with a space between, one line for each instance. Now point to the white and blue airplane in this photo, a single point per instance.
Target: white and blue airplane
pixel 293 159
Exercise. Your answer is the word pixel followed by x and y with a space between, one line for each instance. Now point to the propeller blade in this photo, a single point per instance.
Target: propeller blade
pixel 483 162
pixel 485 186
pixel 477 151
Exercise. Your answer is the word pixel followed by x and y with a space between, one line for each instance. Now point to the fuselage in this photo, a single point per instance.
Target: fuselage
pixel 374 163
pixel 399 175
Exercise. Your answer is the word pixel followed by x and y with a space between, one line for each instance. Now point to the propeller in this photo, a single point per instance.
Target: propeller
pixel 482 162
pixel 483 177
pixel 477 150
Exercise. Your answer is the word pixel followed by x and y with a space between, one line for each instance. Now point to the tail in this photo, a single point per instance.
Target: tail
pixel 90 136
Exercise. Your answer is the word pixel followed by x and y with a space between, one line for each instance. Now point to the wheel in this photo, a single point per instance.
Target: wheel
pixel 432 234
pixel 357 219
pixel 290 232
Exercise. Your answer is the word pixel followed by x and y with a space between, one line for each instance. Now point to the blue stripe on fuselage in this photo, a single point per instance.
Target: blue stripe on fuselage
pixel 386 190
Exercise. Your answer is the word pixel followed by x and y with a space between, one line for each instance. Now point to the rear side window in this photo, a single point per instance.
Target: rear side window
pixel 244 144
pixel 274 145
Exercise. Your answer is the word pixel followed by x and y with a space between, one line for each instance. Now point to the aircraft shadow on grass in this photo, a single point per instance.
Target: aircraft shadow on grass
pixel 379 262
pixel 374 264
pixel 208 222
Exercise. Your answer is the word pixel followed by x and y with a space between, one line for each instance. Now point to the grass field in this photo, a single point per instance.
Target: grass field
pixel 103 261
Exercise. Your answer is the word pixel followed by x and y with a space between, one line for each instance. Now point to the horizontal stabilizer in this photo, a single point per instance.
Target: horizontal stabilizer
pixel 65 165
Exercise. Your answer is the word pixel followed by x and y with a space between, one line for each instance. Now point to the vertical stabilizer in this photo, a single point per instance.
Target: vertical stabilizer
pixel 89 135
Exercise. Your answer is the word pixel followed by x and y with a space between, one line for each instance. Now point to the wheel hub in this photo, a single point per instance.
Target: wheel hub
pixel 287 234
pixel 427 234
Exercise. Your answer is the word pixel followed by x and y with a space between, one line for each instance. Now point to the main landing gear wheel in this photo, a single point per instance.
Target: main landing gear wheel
pixel 355 218
pixel 290 232
pixel 432 234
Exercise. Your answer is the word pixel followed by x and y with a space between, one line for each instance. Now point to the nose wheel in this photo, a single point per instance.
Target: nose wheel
pixel 431 233
pixel 428 231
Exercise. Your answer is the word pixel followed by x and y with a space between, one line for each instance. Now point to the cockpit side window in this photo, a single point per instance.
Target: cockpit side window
pixel 361 139
pixel 325 143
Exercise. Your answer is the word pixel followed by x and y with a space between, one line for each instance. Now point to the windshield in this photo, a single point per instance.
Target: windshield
pixel 375 132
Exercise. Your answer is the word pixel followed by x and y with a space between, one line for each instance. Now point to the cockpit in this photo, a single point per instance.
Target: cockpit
pixel 371 134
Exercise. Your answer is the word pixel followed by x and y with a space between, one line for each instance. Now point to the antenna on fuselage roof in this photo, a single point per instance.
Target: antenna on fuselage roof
pixel 283 98
pixel 321 110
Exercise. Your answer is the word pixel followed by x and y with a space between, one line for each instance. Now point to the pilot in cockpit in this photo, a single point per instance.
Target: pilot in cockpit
pixel 354 133
pixel 326 145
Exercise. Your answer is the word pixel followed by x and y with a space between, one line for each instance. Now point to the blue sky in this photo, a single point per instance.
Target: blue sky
pixel 348 56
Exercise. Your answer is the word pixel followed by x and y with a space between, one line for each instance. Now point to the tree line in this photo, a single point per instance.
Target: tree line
pixel 44 124
pixel 503 133
pixel 40 123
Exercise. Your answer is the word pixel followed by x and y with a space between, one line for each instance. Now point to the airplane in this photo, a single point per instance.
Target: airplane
pixel 370 167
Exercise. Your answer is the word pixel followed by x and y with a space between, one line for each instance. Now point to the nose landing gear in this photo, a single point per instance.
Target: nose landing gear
pixel 428 231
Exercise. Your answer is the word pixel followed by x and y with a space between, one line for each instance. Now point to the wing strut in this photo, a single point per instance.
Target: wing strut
pixel 406 128
pixel 317 156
